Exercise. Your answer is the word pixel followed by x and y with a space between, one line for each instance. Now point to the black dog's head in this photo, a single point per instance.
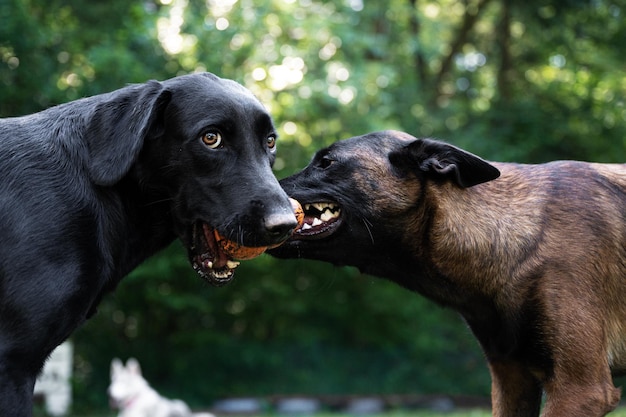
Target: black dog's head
pixel 364 195
pixel 203 147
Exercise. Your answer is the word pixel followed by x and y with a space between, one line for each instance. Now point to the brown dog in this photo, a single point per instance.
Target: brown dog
pixel 532 256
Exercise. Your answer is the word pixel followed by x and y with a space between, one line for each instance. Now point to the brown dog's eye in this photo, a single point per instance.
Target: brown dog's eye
pixel 212 139
pixel 271 142
pixel 325 162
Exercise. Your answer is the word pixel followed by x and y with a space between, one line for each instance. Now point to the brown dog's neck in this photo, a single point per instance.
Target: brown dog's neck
pixel 482 230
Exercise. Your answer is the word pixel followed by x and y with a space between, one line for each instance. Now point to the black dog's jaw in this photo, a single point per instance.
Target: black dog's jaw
pixel 91 188
pixel 532 256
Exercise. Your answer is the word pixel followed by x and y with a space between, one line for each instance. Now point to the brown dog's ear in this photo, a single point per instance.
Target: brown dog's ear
pixel 117 129
pixel 442 160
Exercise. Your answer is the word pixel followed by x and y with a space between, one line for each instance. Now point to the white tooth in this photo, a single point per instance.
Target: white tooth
pixel 307 207
pixel 207 264
pixel 320 206
pixel 316 222
pixel 327 215
pixel 305 226
pixel 232 264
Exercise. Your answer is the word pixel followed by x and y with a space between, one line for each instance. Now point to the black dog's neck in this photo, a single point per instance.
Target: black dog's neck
pixel 146 228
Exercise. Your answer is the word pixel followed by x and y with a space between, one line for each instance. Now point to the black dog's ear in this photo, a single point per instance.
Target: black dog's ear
pixel 444 161
pixel 117 129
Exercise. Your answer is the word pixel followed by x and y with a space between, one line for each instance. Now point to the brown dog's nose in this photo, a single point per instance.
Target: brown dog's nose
pixel 279 226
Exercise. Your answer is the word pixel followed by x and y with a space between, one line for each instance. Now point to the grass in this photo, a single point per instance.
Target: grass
pixel 620 412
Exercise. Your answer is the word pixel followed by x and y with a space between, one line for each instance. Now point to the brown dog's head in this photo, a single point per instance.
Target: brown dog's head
pixel 361 196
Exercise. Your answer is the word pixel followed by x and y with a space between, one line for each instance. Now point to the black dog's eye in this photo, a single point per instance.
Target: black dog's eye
pixel 271 142
pixel 212 139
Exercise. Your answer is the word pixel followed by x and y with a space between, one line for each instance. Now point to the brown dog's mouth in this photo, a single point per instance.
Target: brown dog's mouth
pixel 320 220
pixel 207 258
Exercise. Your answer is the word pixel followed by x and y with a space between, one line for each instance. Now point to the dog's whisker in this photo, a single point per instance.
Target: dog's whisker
pixel 368 226
pixel 152 203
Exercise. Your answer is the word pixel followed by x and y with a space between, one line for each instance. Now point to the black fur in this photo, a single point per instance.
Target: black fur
pixel 91 188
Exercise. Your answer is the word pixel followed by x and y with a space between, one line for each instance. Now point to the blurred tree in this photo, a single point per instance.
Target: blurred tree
pixel 56 51
pixel 527 82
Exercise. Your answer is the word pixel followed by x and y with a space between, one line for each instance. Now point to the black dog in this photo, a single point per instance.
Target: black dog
pixel 532 256
pixel 91 188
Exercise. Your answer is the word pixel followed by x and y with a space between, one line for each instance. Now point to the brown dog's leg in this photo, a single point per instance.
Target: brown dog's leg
pixel 515 392
pixel 580 396
pixel 580 384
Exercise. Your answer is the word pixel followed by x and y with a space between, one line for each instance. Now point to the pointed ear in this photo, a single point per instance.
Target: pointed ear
pixel 116 367
pixel 132 366
pixel 444 161
pixel 117 129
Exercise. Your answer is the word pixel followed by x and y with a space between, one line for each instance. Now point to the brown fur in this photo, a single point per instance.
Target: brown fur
pixel 535 260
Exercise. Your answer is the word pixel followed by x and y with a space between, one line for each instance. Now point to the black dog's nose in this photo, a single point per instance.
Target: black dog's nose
pixel 279 226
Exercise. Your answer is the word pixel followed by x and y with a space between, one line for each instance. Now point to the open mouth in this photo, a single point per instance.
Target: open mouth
pixel 207 257
pixel 320 220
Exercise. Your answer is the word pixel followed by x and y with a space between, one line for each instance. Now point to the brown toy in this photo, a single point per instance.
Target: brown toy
pixel 242 253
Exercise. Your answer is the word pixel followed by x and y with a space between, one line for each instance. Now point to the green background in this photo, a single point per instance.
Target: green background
pixel 509 81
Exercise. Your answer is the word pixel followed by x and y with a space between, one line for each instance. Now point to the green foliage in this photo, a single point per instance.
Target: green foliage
pixel 281 326
pixel 526 82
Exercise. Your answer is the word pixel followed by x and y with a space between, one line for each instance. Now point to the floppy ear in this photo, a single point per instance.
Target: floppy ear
pixel 444 161
pixel 117 129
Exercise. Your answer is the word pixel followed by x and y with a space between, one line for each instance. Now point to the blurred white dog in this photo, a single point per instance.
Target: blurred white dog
pixel 132 395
